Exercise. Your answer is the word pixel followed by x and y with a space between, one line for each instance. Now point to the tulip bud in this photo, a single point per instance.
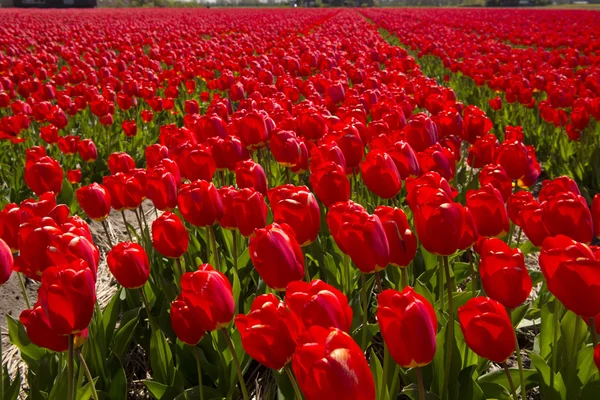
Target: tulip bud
pixel 330 184
pixel 200 203
pixel 6 262
pixel 44 175
pixel 249 174
pixel 128 262
pixel 250 211
pixel 169 236
pixel 185 323
pixel 95 200
pixel 297 207
pixel 489 212
pixel 380 174
pixel 401 241
pixel 120 162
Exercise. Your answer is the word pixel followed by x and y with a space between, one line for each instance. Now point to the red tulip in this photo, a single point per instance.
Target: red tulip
pixel 155 153
pixel 421 132
pixel 503 273
pixel 44 175
pixel 169 236
pixel 439 159
pixel 568 214
pixel 87 150
pixel 495 176
pixel 596 215
pixel 252 130
pixel 6 262
pixel 401 241
pixel 475 124
pixel 380 174
pixel 129 264
pixel 191 107
pixel 196 163
pixel 318 304
pixel 68 144
pixel 515 158
pixel 74 176
pixel 335 217
pixel 249 174
pixel 120 162
pixel 67 296
pixel 49 134
pixel 228 152
pixel 250 211
pixel 531 220
pixel 328 364
pixel 327 152
pixel 515 204
pixel 33 243
pixel 70 247
pixel 427 181
pixel 129 128
pixel 562 184
pixel 186 325
pixel 405 159
pixel 208 295
pixel 297 207
pixel 94 199
pixel 285 147
pixel 228 195
pixel 200 203
pixel 352 146
pixel 482 152
pixel 487 329
pixel 330 184
pixel 408 325
pixel 269 331
pixel 495 103
pixel 276 256
pixel 572 273
pixel 162 188
pixel 489 212
pixel 126 191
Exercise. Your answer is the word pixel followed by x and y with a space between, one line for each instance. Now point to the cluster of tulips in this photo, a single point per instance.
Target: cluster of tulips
pixel 305 202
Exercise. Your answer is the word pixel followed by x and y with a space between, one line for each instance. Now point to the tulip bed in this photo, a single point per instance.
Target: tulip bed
pixel 319 204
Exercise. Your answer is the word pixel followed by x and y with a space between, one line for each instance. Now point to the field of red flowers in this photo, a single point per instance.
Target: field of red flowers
pixel 367 204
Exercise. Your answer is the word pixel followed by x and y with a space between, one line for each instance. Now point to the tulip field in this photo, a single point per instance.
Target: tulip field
pixel 353 204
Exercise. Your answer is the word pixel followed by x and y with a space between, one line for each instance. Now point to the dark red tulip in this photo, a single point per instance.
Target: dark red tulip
pixel 128 262
pixel 328 364
pixel 249 210
pixel 352 146
pixel 249 174
pixel 421 132
pixel 318 304
pixel 503 273
pixel 94 199
pixel 169 236
pixel 228 152
pixel 196 163
pixel 572 273
pixel 209 296
pixel 200 203
pixel 269 331
pixel 186 325
pixel 568 214
pixel 487 329
pixel 67 296
pixel 380 174
pixel 405 159
pixel 120 162
pixel 44 175
pixel 408 325
pixel 74 176
pixel 276 256
pixel 297 207
pixel 330 184
pixel 495 176
pixel 489 212
pixel 285 147
pixel 401 241
pixel 482 152
pixel 87 150
pixel 6 262
pixel 191 107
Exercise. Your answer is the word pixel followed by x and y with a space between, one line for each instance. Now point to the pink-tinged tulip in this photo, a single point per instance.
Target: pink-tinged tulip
pixel 401 240
pixel 380 174
pixel 6 262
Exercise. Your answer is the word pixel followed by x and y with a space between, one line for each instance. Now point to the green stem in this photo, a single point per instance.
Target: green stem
pixel 88 375
pixel 386 363
pixel 199 368
pixel 510 382
pixel 556 327
pixel 147 307
pixel 213 240
pixel 142 235
pixel 510 233
pixel 379 283
pixel 22 283
pixel 404 277
pixel 519 361
pixel 420 382
pixel 363 341
pixel 441 281
pixel 235 252
pixel 207 245
pixel 519 236
pixel 71 370
pixel 126 226
pixel 236 362
pixel 290 375
pixel 473 276
pixel 450 338
pixel 347 284
pixel 144 218
pixel 594 333
pixel 576 334
pixel 107 234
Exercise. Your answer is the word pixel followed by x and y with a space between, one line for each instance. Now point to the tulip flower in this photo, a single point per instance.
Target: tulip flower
pixel 554 187
pixel 6 262
pixel 401 241
pixel 228 195
pixel 269 331
pixel 162 188
pixel 318 304
pixel 127 191
pixel 475 124
pixel 568 214
pixel 327 152
pixel 276 255
pixel 200 203
pixel 297 207
pixel 44 175
pixel 421 132
pixel 515 204
pixel 495 176
pixel 87 150
pixel 408 325
pixel 228 152
pixel 185 323
pixel 380 174
pixel 482 152
pixel 120 162
pixel 405 159
pixel 330 184
pixel 489 212
pixel 74 176
pixel 487 329
pixel 503 273
pixel 169 236
pixel 95 200
pixel 285 147
pixel 531 220
pixel 596 215
pixel 495 103
pixel 249 174
pixel 40 332
pixel 196 163
pixel 67 295
pixel 250 211
pixel 155 153
pixel 330 365
pixel 128 262
pixel 68 144
pixel 252 130
pixel 208 294
pixel 34 243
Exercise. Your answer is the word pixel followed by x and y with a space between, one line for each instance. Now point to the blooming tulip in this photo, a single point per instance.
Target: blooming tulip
pixel 568 214
pixel 120 162
pixel 489 212
pixel 200 203
pixel 380 174
pixel 169 236
pixel 95 200
pixel 44 175
pixel 186 325
pixel 330 184
pixel 401 241
pixel 40 332
pixel 249 174
pixel 128 262
pixel 297 207
pixel 250 211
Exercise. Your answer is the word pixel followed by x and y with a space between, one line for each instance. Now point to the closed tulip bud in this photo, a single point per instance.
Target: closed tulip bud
pixel 482 151
pixel 335 218
pixel 531 220
pixel 250 211
pixel 162 188
pixel 562 184
pixel 572 273
pixel 68 144
pixel 129 128
pixel 408 325
pixel 6 262
pixel 196 163
pixel 120 162
pixel 596 214
pixel 87 150
pixel 487 329
pixel 327 152
pixel 568 214
pixel 438 159
pixel 200 203
pixel 475 124
pixel 49 134
pixel 494 175
pixel 169 236
pixel 126 191
pixel 252 130
pixel 191 107
pixel 94 199
pixel 33 243
pixel 67 296
pixel 209 296
pixel 380 174
pixel 186 325
pixel 503 273
pixel 328 364
pixel 405 159
pixel 40 332
pixel 44 175
pixel 515 204
pixel 318 304
pixel 488 209
pixel 352 146
pixel 428 180
pixel 495 103
pixel 276 255
pixel 330 184
pixel 70 247
pixel 74 176
pixel 285 147
pixel 129 264
pixel 249 174
pixel 513 156
pixel 228 195
pixel 228 152
pixel 297 207
pixel 421 132
pixel 269 331
pixel 155 153
pixel 401 241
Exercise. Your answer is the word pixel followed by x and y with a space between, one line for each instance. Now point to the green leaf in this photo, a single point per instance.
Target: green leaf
pixel 499 377
pixel 118 382
pixel 518 314
pixel 494 391
pixel 59 390
pixel 194 393
pixel 552 386
pixel 66 195
pixel 161 358
pixel 160 391
pixel 412 391
pixel 85 392
pixel 468 387
pixel 11 390
pixel 110 316
pixel 123 337
pixel 590 391
pixel 30 353
pixel 377 372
